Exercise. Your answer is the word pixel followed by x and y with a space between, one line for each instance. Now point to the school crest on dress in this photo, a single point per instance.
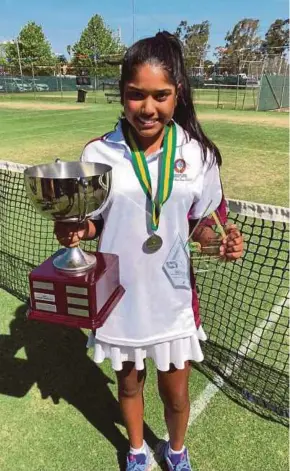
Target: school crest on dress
pixel 180 166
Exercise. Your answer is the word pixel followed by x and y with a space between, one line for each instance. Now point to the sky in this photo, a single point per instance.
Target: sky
pixel 64 20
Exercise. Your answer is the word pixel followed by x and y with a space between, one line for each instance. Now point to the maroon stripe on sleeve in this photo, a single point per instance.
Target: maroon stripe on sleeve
pixel 222 214
pixel 100 138
pixel 194 302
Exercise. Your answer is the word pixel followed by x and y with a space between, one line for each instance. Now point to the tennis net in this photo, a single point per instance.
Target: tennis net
pixel 243 305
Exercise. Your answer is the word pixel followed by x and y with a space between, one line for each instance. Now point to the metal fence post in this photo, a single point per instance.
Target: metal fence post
pixel 254 97
pixel 244 99
pixel 33 81
pixel 237 91
pixel 218 97
pixel 261 79
pixel 61 91
pixel 283 91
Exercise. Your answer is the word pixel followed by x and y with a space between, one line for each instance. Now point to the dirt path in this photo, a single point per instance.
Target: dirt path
pixel 37 106
pixel 258 118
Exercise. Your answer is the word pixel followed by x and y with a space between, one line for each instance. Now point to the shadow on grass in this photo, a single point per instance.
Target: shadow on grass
pixel 57 362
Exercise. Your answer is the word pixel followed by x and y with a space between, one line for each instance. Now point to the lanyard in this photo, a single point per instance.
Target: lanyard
pixel 165 183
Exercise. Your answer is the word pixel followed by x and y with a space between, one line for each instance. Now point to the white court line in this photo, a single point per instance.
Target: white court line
pixel 200 404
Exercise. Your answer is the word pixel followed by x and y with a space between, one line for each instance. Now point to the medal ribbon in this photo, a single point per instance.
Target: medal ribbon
pixel 165 183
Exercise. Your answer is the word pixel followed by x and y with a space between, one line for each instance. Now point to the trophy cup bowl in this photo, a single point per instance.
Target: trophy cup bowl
pixel 72 287
pixel 69 192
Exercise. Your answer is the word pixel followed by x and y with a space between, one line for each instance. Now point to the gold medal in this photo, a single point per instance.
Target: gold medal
pixel 152 244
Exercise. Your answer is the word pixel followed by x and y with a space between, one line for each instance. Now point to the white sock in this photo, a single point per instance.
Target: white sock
pixel 174 452
pixel 137 451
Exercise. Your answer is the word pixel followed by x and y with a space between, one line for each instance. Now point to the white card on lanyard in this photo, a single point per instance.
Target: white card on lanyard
pixel 177 265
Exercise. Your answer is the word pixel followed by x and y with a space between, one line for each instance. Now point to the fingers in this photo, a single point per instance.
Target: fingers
pixel 71 240
pixel 233 245
pixel 233 256
pixel 69 234
pixel 230 227
pixel 63 228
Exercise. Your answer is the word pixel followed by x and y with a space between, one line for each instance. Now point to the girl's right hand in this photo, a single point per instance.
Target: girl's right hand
pixel 70 234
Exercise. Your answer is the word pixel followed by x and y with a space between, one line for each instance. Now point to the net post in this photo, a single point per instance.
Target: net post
pixel 259 91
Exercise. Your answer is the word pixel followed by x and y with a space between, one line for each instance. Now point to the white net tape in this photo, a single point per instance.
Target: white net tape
pixel 245 208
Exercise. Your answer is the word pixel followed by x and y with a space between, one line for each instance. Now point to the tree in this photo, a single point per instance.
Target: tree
pixel 209 67
pixel 3 58
pixel 195 41
pixel 33 48
pixel 242 44
pixel 277 38
pixel 61 59
pixel 61 65
pixel 96 42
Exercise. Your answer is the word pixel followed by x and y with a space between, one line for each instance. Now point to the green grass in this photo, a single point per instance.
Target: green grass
pixel 251 151
pixel 228 98
pixel 248 149
pixel 60 411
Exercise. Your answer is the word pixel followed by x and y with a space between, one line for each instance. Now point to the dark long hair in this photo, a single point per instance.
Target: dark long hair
pixel 166 50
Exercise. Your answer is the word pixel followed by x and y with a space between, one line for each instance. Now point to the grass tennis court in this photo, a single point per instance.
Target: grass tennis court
pixel 230 98
pixel 59 409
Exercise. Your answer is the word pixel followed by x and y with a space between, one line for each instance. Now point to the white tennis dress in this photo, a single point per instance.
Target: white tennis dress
pixel 154 318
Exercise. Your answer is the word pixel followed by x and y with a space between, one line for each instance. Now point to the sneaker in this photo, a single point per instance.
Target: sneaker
pixel 140 462
pixel 177 462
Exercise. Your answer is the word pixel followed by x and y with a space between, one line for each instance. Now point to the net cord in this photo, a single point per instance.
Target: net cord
pixel 244 208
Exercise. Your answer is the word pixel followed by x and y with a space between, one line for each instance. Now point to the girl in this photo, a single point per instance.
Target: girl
pixel 157 148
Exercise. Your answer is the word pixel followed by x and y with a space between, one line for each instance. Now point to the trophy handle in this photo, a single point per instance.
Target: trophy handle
pixel 83 213
pixel 103 184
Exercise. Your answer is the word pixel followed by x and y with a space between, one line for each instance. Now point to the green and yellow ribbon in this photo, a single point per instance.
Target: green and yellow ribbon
pixel 165 182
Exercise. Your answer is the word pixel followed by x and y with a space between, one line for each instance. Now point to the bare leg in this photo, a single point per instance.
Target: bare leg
pixel 173 390
pixel 130 390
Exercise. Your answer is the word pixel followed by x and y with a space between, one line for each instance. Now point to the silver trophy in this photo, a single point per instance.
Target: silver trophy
pixel 69 192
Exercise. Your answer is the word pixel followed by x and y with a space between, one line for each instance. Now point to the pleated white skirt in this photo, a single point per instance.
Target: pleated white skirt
pixel 163 354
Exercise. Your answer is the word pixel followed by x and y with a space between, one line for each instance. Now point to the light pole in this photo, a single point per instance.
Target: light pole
pixel 18 53
pixel 133 19
pixel 15 41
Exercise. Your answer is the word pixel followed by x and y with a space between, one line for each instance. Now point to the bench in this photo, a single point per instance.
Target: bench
pixel 111 97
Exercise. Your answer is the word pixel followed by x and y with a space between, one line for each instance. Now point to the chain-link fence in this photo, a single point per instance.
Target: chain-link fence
pixel 241 91
pixel 274 93
pixel 234 97
pixel 53 81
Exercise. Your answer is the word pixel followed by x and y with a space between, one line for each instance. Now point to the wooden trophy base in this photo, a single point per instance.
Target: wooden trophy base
pixel 83 301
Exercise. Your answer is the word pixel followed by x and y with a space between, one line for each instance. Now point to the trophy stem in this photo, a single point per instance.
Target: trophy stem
pixel 74 261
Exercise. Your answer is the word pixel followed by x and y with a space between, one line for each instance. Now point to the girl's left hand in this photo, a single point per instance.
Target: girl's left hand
pixel 233 245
